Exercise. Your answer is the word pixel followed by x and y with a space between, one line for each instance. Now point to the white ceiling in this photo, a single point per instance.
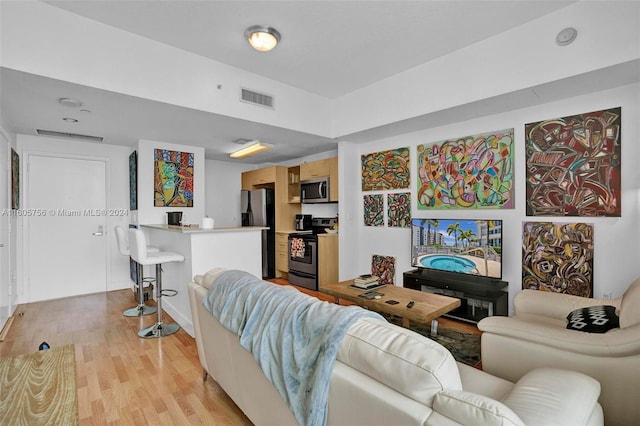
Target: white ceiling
pixel 329 48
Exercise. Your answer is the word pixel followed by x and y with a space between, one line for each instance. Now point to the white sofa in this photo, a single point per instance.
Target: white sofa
pixel 385 374
pixel 536 336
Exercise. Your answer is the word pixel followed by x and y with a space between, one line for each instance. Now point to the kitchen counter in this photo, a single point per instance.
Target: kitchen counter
pixel 187 229
pixel 203 250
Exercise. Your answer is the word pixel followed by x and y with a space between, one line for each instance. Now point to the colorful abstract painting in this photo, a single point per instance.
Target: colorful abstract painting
pixel 133 181
pixel 15 179
pixel 373 210
pixel 384 267
pixel 471 172
pixel 399 210
pixel 385 170
pixel 573 165
pixel 173 178
pixel 558 257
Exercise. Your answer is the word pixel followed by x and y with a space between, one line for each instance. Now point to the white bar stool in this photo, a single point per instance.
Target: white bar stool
pixel 123 247
pixel 139 253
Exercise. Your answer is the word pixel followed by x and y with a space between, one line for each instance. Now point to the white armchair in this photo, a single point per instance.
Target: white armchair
pixel 536 336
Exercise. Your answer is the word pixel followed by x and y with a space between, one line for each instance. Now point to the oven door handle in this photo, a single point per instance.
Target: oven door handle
pixel 301 274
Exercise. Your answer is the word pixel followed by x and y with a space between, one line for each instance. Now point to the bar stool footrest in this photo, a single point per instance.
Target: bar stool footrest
pixel 168 292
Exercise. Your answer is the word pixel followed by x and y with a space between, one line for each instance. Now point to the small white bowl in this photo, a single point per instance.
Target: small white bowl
pixel 330 231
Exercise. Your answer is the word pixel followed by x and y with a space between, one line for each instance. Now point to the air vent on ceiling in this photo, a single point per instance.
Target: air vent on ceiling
pixel 69 135
pixel 256 98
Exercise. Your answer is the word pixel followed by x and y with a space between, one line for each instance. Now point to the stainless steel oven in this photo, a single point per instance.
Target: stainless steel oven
pixel 303 253
pixel 303 260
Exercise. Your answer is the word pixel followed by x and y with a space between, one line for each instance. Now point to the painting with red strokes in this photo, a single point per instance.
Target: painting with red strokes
pixel 573 165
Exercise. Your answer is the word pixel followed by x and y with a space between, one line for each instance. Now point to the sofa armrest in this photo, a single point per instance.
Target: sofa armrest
pixel 614 343
pixel 555 305
pixel 550 396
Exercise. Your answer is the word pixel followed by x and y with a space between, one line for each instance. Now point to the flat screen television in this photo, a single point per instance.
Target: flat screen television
pixel 464 246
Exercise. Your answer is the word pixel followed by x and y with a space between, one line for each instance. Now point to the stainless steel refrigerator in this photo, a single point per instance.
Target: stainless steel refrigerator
pixel 258 209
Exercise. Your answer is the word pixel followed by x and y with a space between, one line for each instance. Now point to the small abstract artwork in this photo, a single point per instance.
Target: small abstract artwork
pixel 558 257
pixel 384 267
pixel 573 165
pixel 471 172
pixel 373 210
pixel 15 179
pixel 399 210
pixel 133 181
pixel 386 170
pixel 173 178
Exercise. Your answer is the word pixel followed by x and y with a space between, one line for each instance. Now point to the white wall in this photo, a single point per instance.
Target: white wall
pixel 223 183
pixel 117 196
pixel 617 241
pixel 149 214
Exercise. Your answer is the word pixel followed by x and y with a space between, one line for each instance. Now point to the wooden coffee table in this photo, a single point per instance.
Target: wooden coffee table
pixel 426 307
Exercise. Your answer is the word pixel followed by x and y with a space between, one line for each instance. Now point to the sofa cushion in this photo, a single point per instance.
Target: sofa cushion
pixel 630 306
pixel 402 359
pixel 207 279
pixel 593 319
pixel 473 409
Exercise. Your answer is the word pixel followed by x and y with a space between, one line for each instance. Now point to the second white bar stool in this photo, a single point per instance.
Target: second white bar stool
pixel 123 247
pixel 139 253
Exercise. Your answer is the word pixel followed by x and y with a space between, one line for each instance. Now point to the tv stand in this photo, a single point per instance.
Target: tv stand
pixel 480 297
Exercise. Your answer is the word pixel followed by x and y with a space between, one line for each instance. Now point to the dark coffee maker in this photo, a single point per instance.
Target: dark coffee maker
pixel 174 218
pixel 303 222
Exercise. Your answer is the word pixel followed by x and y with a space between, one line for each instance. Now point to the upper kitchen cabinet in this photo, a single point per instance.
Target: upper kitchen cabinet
pixel 255 178
pixel 323 168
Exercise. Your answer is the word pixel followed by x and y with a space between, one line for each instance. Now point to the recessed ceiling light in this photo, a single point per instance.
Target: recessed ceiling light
pixel 70 120
pixel 566 36
pixel 68 102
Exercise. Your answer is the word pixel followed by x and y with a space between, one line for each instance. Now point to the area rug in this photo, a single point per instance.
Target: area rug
pixel 464 347
pixel 39 388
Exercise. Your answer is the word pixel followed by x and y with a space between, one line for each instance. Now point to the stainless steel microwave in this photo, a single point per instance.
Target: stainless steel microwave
pixel 315 190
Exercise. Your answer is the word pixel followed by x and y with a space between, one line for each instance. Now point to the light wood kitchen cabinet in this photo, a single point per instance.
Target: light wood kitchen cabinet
pixel 293 181
pixel 323 168
pixel 328 259
pixel 255 178
pixel 282 253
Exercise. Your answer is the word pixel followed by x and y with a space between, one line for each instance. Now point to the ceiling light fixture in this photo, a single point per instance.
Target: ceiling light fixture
pixel 251 148
pixel 566 36
pixel 262 38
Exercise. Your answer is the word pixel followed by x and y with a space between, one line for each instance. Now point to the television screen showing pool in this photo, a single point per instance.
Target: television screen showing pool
pixel 466 246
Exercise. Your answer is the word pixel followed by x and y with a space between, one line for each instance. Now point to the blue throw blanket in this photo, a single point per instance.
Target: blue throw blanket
pixel 294 338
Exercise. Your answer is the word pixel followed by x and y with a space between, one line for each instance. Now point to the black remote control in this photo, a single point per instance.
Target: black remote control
pixel 410 304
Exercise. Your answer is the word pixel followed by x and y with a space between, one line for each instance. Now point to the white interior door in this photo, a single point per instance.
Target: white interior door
pixel 5 278
pixel 66 243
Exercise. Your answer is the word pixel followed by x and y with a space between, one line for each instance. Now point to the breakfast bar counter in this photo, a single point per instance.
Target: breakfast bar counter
pixel 203 249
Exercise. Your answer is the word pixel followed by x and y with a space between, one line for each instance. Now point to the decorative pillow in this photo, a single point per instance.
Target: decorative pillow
pixel 593 319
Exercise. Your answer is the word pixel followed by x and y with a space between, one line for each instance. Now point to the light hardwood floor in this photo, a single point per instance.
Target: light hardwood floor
pixel 123 379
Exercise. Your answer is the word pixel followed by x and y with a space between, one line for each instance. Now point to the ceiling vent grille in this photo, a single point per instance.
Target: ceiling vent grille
pixel 256 98
pixel 69 135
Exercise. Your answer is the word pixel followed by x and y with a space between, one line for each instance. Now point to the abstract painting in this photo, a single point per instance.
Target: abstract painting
pixel 384 267
pixel 173 178
pixel 385 170
pixel 373 210
pixel 15 179
pixel 471 172
pixel 558 257
pixel 399 210
pixel 133 181
pixel 573 165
